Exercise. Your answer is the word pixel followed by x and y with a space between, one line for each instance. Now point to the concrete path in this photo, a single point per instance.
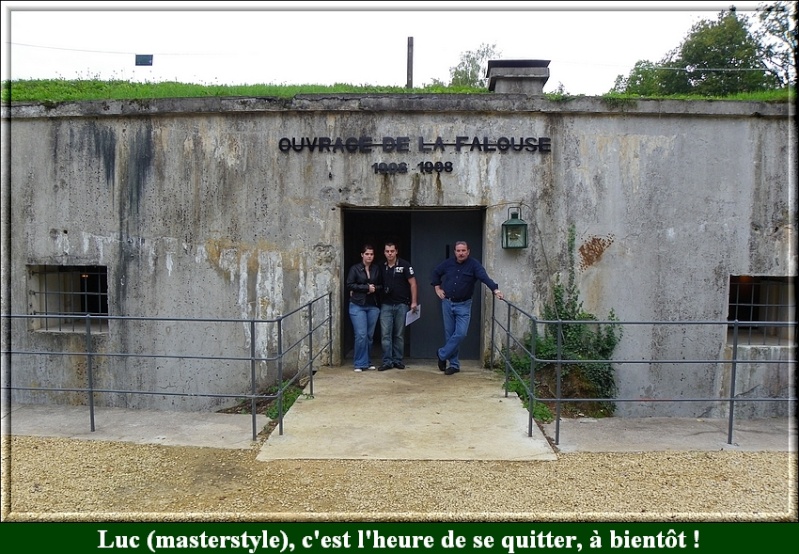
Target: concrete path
pixel 417 413
pixel 137 426
pixel 650 434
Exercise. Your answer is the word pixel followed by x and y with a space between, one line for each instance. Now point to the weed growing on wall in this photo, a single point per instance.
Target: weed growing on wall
pixel 582 338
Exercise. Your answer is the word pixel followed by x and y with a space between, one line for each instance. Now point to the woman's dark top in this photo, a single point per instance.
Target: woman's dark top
pixel 358 284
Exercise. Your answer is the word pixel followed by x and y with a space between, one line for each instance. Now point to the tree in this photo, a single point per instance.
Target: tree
pixel 725 45
pixel 643 80
pixel 717 58
pixel 777 38
pixel 471 70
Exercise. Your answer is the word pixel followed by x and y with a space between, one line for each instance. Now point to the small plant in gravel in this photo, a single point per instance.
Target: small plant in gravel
pixel 290 395
pixel 268 406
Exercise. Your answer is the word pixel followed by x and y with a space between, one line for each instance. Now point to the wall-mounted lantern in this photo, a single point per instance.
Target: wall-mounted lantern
pixel 514 230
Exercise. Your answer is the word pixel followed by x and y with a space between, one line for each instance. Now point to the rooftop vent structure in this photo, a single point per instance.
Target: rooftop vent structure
pixel 518 76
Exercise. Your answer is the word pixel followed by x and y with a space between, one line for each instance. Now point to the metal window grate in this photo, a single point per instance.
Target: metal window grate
pixel 62 297
pixel 757 301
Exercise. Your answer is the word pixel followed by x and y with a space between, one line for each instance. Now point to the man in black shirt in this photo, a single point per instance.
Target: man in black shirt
pixel 454 281
pixel 399 296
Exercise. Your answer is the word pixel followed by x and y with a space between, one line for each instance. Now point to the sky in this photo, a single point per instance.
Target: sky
pixel 588 44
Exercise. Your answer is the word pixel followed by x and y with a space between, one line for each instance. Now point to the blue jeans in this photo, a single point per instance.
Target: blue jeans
pixel 364 321
pixel 392 330
pixel 456 323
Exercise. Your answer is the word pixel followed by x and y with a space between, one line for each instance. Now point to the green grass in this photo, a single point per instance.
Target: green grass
pixel 541 411
pixel 290 395
pixel 778 95
pixel 63 90
pixel 268 406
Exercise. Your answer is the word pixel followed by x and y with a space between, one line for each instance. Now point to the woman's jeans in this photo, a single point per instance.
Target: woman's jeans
pixel 456 316
pixel 364 321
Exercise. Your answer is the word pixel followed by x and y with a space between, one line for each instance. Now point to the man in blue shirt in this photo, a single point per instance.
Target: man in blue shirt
pixel 454 281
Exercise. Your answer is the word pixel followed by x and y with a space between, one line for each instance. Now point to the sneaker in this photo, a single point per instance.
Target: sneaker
pixel 451 371
pixel 370 368
pixel 399 365
pixel 442 364
pixel 384 367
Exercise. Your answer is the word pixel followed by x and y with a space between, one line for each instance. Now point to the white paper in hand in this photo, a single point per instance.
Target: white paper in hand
pixel 413 315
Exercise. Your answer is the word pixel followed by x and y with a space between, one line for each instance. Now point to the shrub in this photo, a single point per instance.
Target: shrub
pixel 578 341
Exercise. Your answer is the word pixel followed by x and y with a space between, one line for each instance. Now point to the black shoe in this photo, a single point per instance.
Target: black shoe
pixel 399 365
pixel 451 371
pixel 442 364
pixel 384 367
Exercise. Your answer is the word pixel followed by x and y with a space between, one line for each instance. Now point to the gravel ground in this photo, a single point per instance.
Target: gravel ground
pixel 59 479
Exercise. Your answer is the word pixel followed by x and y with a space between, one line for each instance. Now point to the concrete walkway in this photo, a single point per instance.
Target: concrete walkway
pixel 650 434
pixel 413 414
pixel 137 426
pixel 417 413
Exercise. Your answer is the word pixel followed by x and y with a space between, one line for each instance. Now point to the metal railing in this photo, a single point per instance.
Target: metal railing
pixel 514 338
pixel 309 340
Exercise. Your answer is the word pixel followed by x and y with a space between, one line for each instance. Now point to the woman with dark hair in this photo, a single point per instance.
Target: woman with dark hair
pixel 364 281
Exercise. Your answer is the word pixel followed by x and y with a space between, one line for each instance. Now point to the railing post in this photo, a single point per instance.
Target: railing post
pixel 329 328
pixel 493 330
pixel 558 368
pixel 310 346
pixel 531 402
pixel 90 368
pixel 280 374
pixel 253 388
pixel 507 351
pixel 733 371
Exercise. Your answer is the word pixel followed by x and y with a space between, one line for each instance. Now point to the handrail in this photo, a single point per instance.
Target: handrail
pixel 506 343
pixel 303 366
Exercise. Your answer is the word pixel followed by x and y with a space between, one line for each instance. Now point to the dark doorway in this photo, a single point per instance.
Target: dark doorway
pixel 375 227
pixel 424 237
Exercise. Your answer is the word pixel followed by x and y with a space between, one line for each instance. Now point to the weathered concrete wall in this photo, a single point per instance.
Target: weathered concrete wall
pixel 760 372
pixel 197 213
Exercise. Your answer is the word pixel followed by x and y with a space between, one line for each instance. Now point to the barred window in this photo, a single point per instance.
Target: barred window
pixel 756 301
pixel 66 294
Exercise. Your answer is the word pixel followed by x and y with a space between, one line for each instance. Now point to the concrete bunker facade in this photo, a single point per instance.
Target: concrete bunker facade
pixel 249 207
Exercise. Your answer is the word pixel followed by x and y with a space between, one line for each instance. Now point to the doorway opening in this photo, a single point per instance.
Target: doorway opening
pixel 424 237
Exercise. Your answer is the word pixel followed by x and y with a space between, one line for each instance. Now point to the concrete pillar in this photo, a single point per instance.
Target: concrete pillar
pixel 518 76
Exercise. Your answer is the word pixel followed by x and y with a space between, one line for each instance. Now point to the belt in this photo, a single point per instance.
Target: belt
pixel 459 300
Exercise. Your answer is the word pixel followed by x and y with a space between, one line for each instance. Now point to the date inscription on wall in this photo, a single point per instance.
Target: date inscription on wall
pixel 393 168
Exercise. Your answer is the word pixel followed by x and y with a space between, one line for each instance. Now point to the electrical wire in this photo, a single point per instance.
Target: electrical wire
pixel 654 67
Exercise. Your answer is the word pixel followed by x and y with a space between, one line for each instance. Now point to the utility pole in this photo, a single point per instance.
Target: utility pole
pixel 409 83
